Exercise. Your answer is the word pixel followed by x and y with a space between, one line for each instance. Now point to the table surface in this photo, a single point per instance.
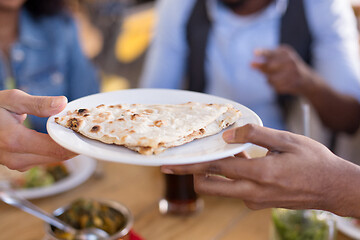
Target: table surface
pixel 140 188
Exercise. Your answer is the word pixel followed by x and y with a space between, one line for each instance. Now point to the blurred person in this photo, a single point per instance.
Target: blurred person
pixel 40 52
pixel 256 52
pixel 297 173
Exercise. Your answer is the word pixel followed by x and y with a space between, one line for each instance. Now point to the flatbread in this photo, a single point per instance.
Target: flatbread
pixel 150 129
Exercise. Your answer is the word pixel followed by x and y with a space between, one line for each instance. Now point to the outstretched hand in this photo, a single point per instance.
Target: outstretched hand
pixel 297 173
pixel 20 147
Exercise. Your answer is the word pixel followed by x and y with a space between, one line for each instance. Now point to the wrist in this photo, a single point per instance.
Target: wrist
pixel 312 84
pixel 346 192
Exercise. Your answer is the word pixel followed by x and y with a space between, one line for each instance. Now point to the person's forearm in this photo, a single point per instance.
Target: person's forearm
pixel 337 111
pixel 344 197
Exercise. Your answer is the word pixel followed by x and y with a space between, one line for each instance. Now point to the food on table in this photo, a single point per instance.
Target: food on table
pixel 150 129
pixel 39 176
pixel 87 213
pixel 299 225
pixel 58 171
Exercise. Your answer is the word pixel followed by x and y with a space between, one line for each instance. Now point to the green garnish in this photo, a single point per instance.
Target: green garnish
pixel 299 225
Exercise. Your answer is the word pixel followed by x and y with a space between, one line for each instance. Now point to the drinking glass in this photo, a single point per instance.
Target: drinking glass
pixel 180 197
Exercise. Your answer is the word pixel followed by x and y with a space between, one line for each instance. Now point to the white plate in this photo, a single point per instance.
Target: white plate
pixel 200 150
pixel 347 226
pixel 80 168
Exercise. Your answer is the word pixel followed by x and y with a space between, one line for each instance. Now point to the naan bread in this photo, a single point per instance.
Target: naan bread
pixel 150 129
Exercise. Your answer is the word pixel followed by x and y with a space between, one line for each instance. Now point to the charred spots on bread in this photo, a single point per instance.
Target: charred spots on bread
pixel 134 116
pixel 117 126
pixel 82 111
pixel 95 129
pixel 142 139
pixel 116 106
pixel 100 106
pixel 145 150
pixel 74 124
pixel 123 138
pixel 104 115
pixel 148 111
pixel 224 124
pixel 158 123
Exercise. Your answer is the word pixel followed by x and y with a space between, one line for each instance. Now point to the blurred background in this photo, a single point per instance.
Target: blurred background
pixel 115 35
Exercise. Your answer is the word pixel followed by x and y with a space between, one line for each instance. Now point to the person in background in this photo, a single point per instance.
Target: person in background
pixel 256 52
pixel 253 51
pixel 297 173
pixel 40 54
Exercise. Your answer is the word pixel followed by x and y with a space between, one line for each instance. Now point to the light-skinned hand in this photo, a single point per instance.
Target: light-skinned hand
pixel 20 147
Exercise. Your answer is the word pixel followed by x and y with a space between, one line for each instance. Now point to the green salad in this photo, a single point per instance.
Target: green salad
pixel 299 225
pixel 42 176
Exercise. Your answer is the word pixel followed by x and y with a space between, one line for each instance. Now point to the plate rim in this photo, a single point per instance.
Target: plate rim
pixel 149 160
pixel 347 228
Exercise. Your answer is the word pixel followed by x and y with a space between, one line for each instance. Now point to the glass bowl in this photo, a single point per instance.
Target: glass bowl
pixel 302 225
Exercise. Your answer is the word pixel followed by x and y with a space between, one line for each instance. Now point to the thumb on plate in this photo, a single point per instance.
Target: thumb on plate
pixel 20 102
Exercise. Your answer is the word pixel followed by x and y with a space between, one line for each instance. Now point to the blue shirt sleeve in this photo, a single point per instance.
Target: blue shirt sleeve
pixel 165 64
pixel 80 77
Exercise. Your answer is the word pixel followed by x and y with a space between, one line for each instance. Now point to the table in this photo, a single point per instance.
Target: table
pixel 140 188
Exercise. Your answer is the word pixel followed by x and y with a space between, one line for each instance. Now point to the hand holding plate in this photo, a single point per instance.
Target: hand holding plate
pixel 20 147
pixel 297 173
